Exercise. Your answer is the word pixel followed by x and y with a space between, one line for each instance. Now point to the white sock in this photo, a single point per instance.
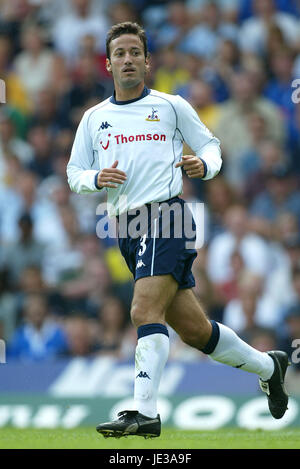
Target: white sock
pixel 151 355
pixel 233 351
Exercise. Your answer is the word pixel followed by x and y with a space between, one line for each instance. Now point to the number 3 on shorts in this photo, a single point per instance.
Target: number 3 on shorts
pixel 143 245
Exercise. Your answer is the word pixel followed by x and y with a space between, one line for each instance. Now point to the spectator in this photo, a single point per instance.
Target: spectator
pixel 275 40
pixel 122 11
pixel 177 24
pixel 70 28
pixel 281 195
pixel 256 165
pixel 220 195
pixel 228 8
pixel 51 11
pixel 200 95
pixel 111 327
pixel 12 16
pixel 262 338
pixel 48 113
pixel 41 143
pixel 237 236
pixel 32 282
pixel 169 75
pixel 22 198
pixel 232 127
pixel 204 39
pixel 279 285
pixel 288 6
pixel 8 308
pixel 88 287
pixel 249 161
pixel 60 79
pixel 25 252
pixel 40 337
pixel 293 137
pixel 207 294
pixel 254 31
pixel 14 152
pixel 287 229
pixel 228 290
pixel 33 65
pixel 250 309
pixel 84 207
pixel 63 260
pixel 278 89
pixel 79 337
pixel 87 88
pixel 221 69
pixel 16 94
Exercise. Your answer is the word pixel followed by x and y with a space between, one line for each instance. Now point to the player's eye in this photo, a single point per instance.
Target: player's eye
pixel 118 53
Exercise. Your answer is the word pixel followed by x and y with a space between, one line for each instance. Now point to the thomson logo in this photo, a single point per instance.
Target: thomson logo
pixel 139 138
pixel 121 139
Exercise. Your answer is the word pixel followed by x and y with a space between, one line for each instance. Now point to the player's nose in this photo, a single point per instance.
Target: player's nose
pixel 127 58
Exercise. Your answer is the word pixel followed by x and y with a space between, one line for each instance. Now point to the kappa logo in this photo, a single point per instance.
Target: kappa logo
pixel 143 374
pixel 104 125
pixel 140 264
pixel 153 117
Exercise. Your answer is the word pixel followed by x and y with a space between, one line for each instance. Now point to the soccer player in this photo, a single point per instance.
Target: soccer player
pixel 131 145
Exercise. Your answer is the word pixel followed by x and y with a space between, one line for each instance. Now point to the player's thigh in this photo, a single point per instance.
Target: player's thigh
pixel 186 316
pixel 152 297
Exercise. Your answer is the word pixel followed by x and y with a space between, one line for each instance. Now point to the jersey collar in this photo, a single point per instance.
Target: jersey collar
pixel 145 93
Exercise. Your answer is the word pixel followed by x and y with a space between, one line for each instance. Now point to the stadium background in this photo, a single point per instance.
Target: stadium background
pixel 64 293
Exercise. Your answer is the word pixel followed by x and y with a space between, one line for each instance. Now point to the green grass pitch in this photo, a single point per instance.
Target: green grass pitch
pixel 87 438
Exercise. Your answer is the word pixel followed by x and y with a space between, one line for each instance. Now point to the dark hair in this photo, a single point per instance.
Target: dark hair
pixel 127 27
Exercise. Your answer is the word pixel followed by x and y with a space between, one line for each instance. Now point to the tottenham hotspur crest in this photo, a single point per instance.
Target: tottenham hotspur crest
pixel 153 117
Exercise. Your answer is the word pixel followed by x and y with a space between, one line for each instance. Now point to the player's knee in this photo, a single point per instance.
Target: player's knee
pixel 141 314
pixel 137 315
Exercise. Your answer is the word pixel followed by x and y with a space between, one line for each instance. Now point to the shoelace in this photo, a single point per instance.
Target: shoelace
pixel 123 413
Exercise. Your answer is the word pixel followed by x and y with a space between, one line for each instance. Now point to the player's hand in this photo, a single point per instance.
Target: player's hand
pixel 108 176
pixel 193 166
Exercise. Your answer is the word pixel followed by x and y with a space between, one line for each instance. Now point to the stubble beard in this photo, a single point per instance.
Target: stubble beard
pixel 128 83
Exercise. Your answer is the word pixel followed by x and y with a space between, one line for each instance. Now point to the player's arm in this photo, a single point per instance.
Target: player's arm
pixel 83 177
pixel 207 162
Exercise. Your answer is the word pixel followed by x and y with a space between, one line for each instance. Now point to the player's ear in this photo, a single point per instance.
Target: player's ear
pixel 108 65
pixel 147 63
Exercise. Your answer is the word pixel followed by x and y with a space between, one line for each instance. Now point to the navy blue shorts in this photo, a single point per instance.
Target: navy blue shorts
pixel 154 253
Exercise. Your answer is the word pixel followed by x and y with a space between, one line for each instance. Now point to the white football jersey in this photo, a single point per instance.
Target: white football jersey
pixel 146 136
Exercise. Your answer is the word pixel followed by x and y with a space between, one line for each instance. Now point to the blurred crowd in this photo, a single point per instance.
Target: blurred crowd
pixel 65 292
